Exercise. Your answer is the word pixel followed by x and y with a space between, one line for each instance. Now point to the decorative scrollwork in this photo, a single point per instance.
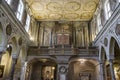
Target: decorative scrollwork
pixel 63 69
pixel 72 6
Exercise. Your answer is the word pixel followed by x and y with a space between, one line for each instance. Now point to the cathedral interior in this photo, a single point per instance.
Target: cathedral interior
pixel 59 39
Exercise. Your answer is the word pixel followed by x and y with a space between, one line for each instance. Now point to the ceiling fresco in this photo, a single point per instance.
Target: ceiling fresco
pixel 68 10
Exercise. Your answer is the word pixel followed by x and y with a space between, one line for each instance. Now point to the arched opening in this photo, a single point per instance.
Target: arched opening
pixel 106 66
pixel 6 62
pixel 82 69
pixel 13 43
pixel 45 68
pixel 115 53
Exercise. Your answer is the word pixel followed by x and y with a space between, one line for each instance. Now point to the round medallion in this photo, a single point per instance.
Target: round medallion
pixel 90 6
pixel 54 6
pixel 72 6
pixel 62 69
pixel 117 30
pixel 8 29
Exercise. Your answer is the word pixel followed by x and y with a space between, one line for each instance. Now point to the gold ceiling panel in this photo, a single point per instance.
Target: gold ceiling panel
pixel 55 16
pixel 90 6
pixel 72 6
pixel 71 16
pixel 75 10
pixel 54 6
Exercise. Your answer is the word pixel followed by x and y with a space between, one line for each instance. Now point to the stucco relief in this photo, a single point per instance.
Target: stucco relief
pixel 72 6
pixel 90 6
pixel 62 9
pixel 54 6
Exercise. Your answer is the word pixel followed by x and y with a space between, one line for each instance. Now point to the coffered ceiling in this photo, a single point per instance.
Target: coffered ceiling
pixel 68 10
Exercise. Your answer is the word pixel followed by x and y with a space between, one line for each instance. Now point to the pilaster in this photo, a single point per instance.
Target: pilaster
pixel 23 70
pixel 62 71
pixel 112 69
pixel 14 61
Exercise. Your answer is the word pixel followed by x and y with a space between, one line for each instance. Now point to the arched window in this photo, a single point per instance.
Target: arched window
pixel 27 23
pixel 14 5
pixel 102 16
pixel 99 22
pixel 107 9
pixel 8 1
pixel 20 10
pixel 113 4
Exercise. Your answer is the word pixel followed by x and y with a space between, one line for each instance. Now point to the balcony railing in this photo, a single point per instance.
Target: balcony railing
pixel 62 50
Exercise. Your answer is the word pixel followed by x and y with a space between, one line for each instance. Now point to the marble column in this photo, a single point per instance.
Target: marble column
pixel 14 61
pixel 112 69
pixel 102 72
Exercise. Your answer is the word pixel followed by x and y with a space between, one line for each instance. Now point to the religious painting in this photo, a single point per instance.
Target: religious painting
pixel 1 71
pixel 62 39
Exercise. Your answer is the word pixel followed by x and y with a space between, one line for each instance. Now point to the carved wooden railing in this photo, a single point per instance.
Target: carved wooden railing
pixel 62 50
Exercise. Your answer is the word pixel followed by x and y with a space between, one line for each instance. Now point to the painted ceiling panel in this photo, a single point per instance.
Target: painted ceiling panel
pixel 68 10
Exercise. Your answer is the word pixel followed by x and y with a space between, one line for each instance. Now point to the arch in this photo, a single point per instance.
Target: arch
pixel 114 54
pixel 42 65
pixel 81 66
pixel 103 55
pixel 76 58
pixel 6 58
pixel 116 64
pixel 13 43
pixel 112 43
pixel 36 58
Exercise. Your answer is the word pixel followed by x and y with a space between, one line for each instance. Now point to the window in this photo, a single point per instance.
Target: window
pixel 99 22
pixel 27 23
pixel 107 9
pixel 8 1
pixel 20 10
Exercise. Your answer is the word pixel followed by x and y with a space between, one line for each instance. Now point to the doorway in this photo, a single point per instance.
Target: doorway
pixel 43 69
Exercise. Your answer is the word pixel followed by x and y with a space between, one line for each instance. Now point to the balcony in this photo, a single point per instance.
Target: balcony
pixel 62 50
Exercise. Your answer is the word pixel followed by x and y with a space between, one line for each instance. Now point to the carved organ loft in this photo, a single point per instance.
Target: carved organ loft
pixel 59 39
